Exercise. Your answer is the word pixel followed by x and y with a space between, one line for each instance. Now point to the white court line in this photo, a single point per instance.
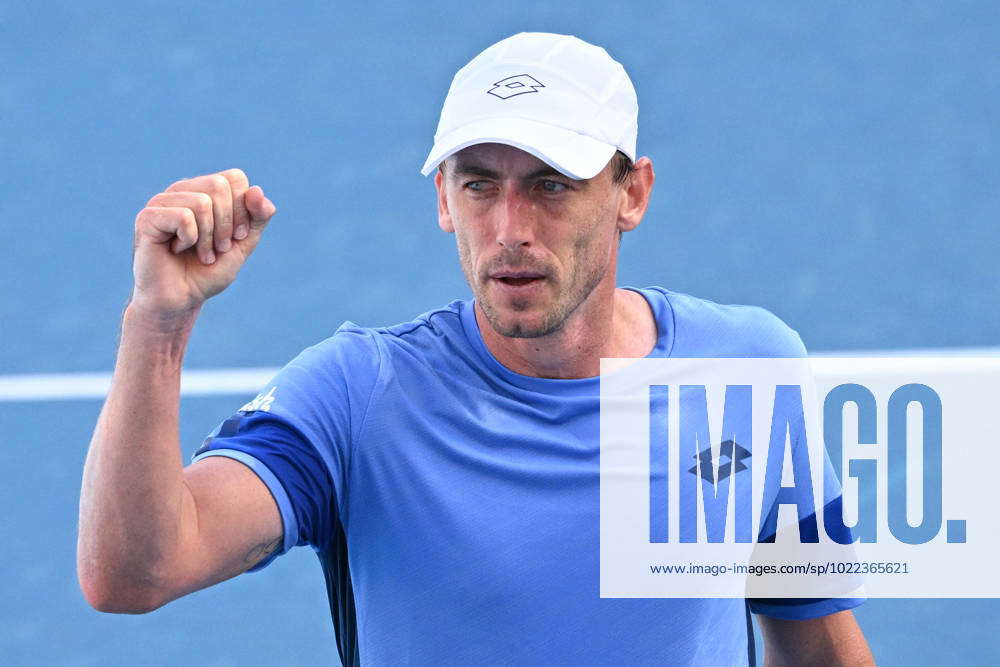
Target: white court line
pixel 237 381
pixel 75 386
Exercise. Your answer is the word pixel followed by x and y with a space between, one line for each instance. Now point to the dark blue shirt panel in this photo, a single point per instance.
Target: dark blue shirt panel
pixel 296 465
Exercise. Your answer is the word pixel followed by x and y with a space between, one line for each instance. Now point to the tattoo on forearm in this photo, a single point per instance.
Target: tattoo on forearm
pixel 261 550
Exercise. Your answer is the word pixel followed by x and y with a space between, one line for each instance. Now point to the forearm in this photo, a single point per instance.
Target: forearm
pixel 133 494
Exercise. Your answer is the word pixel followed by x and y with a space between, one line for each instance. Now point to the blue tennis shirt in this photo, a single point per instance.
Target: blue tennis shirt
pixel 453 503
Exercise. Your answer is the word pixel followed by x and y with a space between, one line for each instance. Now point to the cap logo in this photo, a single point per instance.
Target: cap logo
pixel 519 84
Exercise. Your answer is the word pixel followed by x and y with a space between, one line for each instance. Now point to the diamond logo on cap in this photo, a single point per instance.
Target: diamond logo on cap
pixel 519 84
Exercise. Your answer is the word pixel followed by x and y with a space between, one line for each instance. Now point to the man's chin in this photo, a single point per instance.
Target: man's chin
pixel 519 324
pixel 519 330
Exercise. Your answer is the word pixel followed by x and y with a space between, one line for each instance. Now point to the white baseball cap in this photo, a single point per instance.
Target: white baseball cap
pixel 563 100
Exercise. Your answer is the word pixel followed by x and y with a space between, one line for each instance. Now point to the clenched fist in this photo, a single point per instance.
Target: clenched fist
pixel 191 240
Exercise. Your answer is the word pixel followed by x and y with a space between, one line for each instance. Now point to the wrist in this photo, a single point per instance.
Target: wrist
pixel 175 323
pixel 154 341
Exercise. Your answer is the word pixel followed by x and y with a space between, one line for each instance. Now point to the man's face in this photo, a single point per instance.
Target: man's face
pixel 532 243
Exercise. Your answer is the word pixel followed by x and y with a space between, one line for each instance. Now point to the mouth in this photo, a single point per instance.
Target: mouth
pixel 517 278
pixel 518 281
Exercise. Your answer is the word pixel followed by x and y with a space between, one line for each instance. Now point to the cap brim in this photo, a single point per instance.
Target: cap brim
pixel 576 155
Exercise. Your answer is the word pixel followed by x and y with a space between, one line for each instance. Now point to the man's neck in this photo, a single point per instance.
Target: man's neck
pixel 618 325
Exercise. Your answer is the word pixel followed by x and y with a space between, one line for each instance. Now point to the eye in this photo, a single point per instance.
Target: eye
pixel 477 186
pixel 552 186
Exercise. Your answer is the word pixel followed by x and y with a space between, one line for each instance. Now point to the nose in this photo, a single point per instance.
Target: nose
pixel 514 225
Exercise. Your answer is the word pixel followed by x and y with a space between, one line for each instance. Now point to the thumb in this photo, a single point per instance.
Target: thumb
pixel 259 207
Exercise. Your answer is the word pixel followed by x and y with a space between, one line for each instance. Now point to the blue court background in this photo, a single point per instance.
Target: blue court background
pixel 835 164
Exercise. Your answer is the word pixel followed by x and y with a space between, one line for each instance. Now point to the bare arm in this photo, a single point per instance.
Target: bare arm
pixel 151 530
pixel 831 640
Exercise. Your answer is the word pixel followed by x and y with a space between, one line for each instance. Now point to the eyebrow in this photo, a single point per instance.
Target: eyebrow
pixel 471 169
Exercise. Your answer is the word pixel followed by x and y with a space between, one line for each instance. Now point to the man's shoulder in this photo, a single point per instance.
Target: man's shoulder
pixel 703 327
pixel 430 323
pixel 353 344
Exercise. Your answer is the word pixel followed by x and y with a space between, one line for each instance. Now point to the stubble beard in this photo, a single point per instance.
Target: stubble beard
pixel 555 317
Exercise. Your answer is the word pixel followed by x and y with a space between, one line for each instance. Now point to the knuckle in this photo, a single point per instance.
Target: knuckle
pixel 204 204
pixel 148 214
pixel 218 184
pixel 236 176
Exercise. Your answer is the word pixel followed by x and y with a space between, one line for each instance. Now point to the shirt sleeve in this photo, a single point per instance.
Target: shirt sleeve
pixel 800 609
pixel 784 341
pixel 298 434
pixel 806 608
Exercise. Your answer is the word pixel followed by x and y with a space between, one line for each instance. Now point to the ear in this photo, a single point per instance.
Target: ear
pixel 444 215
pixel 635 199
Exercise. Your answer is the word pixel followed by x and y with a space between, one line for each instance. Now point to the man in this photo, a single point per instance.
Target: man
pixel 445 470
